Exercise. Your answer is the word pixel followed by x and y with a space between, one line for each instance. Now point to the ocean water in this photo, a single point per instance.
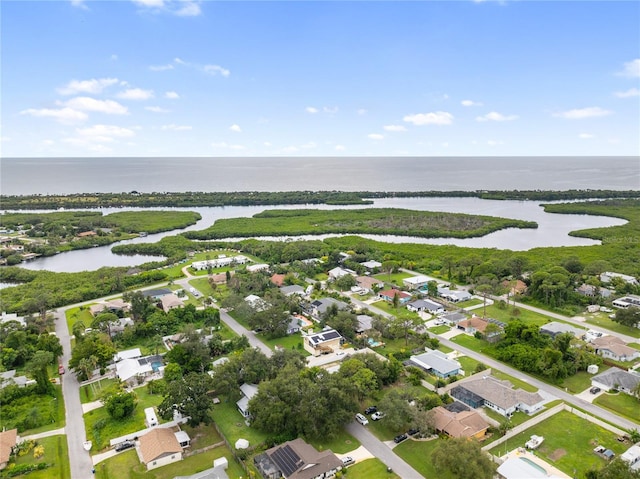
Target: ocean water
pixel 19 176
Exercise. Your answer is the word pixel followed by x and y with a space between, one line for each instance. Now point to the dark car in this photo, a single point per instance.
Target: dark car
pixel 370 410
pixel 400 438
pixel 594 390
pixel 413 432
pixel 124 445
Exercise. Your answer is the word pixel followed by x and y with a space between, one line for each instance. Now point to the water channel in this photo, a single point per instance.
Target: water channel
pixel 552 229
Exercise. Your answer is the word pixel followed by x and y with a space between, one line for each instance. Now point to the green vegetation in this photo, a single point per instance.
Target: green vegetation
pixel 418 455
pixel 29 412
pixel 96 390
pixel 568 443
pixel 580 381
pixel 55 454
pixel 342 443
pixel 620 403
pixel 232 425
pixel 370 469
pixel 370 221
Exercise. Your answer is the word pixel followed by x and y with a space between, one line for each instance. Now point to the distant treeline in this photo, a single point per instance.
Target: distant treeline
pixel 251 198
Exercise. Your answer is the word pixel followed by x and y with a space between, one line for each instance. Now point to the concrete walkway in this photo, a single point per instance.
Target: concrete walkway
pixel 90 406
pixel 40 435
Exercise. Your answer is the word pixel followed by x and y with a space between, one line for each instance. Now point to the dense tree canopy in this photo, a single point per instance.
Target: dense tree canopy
pixel 463 459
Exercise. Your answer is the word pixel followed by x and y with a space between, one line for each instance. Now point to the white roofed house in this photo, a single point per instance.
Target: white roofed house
pixel 324 342
pixel 437 363
pixel 293 289
pixel 257 303
pixel 454 295
pixel 371 265
pixel 632 456
pixel 607 276
pixel 337 273
pixel 416 282
pixel 248 392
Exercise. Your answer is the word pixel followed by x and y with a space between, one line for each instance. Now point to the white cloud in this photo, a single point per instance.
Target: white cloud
pixel 94 86
pixel 157 109
pixel 135 94
pixel 585 136
pixel 236 128
pixel 582 113
pixel 171 95
pixel 433 118
pixel 290 149
pixel 161 68
pixel 189 9
pixel 176 127
pixel 267 144
pixel 394 128
pixel 114 57
pixel 104 133
pixel 375 136
pixel 311 110
pixel 340 148
pixel 85 103
pixel 631 69
pixel 631 92
pixel 470 103
pixel 63 115
pixel 180 61
pixel 362 111
pixel 79 4
pixel 215 70
pixel 495 116
pixel 309 145
pixel 494 142
pixel 150 3
pixel 330 109
pixel 227 146
pixel 181 8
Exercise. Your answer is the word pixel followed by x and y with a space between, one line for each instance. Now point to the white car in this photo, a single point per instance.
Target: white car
pixel 376 416
pixel 347 460
pixel 361 419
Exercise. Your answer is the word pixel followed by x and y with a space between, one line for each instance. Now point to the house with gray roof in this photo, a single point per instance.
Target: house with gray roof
pixel 555 328
pixel 425 305
pixel 452 319
pixel 365 323
pixel 437 363
pixel 498 395
pixel 248 391
pixel 297 460
pixel 616 378
pixel 292 289
pixel 319 307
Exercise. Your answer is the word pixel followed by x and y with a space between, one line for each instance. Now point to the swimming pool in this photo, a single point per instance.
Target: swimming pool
pixel 156 365
pixel 535 466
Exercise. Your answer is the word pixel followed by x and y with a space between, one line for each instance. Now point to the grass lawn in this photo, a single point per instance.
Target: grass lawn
pixel 127 465
pixel 115 428
pixel 202 435
pixel 471 342
pixel 602 320
pixel 468 303
pixel 580 381
pixel 468 364
pixel 388 308
pixel 395 278
pixel 568 444
pixel 232 425
pixel 620 403
pixel 94 391
pixel 293 341
pixel 418 455
pixel 439 329
pixel 78 314
pixel 370 469
pixel 341 444
pixel 516 419
pixel 55 452
pixel 506 315
pixel 393 346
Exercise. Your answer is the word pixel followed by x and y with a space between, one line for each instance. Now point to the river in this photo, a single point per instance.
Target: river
pixel 552 229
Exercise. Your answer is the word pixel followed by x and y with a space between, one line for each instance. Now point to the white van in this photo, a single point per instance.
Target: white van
pixel 361 419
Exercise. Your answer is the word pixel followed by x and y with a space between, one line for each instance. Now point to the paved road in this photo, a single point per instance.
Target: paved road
pixel 79 459
pixel 559 393
pixel 382 451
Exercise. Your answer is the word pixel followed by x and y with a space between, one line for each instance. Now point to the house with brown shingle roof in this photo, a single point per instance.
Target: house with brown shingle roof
pixel 158 448
pixel 615 348
pixel 459 424
pixel 368 283
pixel 277 279
pixel 297 460
pixel 8 441
pixel 171 301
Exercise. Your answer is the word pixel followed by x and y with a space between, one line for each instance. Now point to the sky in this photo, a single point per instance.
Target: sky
pixel 86 78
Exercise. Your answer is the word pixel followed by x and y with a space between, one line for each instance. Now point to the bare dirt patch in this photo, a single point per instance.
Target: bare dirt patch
pixel 557 454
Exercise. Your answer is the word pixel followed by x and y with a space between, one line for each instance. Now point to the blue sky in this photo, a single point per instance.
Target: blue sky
pixel 298 78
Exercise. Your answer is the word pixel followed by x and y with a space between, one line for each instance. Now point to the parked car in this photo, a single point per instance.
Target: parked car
pixel 594 390
pixel 361 419
pixel 370 410
pixel 124 445
pixel 376 416
pixel 347 460
pixel 413 432
pixel 400 438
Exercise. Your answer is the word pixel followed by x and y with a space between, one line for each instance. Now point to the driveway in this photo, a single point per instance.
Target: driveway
pixel 380 450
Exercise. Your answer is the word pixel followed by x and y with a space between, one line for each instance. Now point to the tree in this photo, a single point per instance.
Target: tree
pixel 463 459
pixel 398 411
pixel 404 324
pixel 432 288
pixel 389 267
pixel 121 404
pixel 189 396
pixel 629 317
pixel 616 469
pixel 103 321
pixel 38 368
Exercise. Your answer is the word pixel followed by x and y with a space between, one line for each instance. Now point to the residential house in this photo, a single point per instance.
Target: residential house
pixel 452 319
pixel 7 317
pixel 294 324
pixel 425 305
pixel 156 294
pixel 460 424
pixel 437 363
pixel 632 456
pixel 297 460
pixel 613 347
pixel 371 265
pixel 159 447
pixel 119 325
pixel 324 342
pixel 555 328
pixel 218 471
pixel 627 301
pixel 389 294
pixel 132 370
pixel 416 282
pixel 617 379
pixel 9 378
pixel 254 268
pixel 476 324
pixel 320 306
pixel 337 273
pixel 454 295
pixel 368 283
pixel 112 306
pixel 515 287
pixel 8 442
pixel 607 276
pixel 364 323
pixel 127 354
pixel 498 395
pixel 257 303
pixel 293 289
pixel 248 391
pixel 277 279
pixel 171 301
pixel 593 291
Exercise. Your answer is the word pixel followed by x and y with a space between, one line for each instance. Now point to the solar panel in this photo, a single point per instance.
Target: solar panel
pixel 331 335
pixel 287 460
